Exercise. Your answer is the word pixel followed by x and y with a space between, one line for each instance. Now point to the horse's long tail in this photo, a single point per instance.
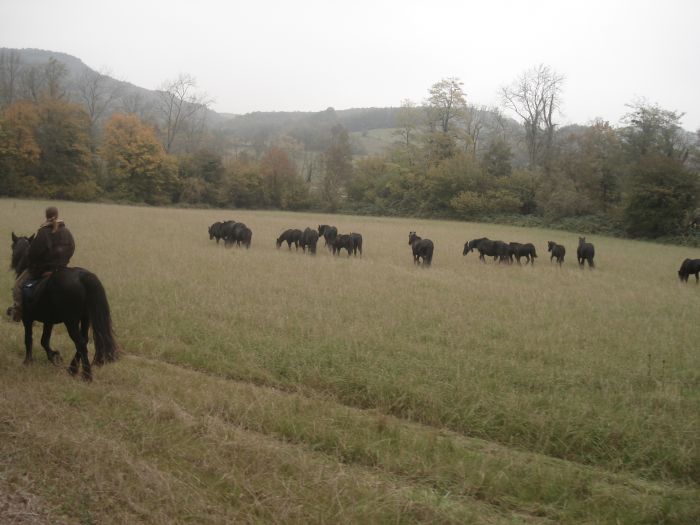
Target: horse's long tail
pixel 98 309
pixel 429 254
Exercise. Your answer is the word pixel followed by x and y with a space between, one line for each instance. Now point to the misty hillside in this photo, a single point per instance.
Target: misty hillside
pixel 131 98
pixel 369 128
pixel 362 119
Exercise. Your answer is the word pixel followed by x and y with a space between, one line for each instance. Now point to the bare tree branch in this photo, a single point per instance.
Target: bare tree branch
pixel 535 97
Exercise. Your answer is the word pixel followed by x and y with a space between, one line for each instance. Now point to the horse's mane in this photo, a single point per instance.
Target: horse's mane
pixel 19 256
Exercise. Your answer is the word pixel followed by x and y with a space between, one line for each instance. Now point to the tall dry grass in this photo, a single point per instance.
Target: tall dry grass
pixel 538 392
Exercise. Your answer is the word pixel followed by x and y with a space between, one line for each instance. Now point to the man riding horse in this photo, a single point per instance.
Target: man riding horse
pixel 52 248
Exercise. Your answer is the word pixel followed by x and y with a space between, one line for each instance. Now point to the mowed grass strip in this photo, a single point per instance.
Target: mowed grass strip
pixel 144 445
pixel 598 367
pixel 157 443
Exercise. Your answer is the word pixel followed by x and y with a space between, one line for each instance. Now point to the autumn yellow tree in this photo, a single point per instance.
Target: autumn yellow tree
pixel 19 151
pixel 45 150
pixel 138 168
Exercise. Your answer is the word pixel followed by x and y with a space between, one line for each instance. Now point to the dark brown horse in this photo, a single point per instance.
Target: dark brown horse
pixel 688 268
pixel 557 250
pixel 585 252
pixel 74 297
pixel 291 236
pixel 422 249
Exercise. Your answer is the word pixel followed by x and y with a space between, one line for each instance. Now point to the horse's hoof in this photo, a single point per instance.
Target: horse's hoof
pixel 28 362
pixel 86 377
pixel 72 371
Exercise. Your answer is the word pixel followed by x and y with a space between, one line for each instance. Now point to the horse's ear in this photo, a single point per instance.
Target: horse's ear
pixel 14 238
pixel 31 239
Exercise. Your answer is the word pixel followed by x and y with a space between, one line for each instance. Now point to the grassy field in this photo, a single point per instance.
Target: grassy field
pixel 262 386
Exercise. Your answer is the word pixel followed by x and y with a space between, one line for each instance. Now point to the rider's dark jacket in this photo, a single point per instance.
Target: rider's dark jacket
pixel 52 248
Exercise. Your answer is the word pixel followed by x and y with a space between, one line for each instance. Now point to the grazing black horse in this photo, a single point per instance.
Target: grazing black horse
pixel 343 241
pixel 245 236
pixel 357 243
pixel 74 297
pixel 471 245
pixel 689 266
pixel 557 250
pixel 309 239
pixel 352 242
pixel 329 234
pixel 226 232
pixel 585 252
pixel 422 249
pixel 236 232
pixel 290 237
pixel 215 231
pixel 499 250
pixel 522 250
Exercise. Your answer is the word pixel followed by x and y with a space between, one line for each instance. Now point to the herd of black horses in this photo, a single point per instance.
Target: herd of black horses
pixel 232 232
pixel 75 296
pixel 237 233
pixel 229 232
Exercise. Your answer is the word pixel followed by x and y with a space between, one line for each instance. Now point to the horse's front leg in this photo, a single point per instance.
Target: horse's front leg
pixel 53 357
pixel 28 358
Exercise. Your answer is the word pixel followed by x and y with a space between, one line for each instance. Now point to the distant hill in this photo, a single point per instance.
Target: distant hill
pixel 371 129
pixel 131 96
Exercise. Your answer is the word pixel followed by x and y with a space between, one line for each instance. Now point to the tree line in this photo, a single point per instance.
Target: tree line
pixel 448 158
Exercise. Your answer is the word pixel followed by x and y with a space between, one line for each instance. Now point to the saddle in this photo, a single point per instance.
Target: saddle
pixel 32 289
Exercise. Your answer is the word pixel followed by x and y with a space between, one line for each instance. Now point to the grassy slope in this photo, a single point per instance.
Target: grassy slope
pixel 267 386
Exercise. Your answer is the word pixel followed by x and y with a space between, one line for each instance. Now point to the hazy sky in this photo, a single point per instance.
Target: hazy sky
pixel 264 55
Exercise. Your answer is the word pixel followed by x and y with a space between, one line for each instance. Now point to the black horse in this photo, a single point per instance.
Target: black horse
pixel 585 252
pixel 689 266
pixel 557 250
pixel 290 237
pixel 471 245
pixel 329 233
pixel 352 242
pixel 309 239
pixel 215 231
pixel 499 250
pixel 74 297
pixel 245 236
pixel 526 250
pixel 343 241
pixel 226 232
pixel 357 243
pixel 422 249
pixel 236 233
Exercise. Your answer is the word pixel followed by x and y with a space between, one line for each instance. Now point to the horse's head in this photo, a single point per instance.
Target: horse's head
pixel 581 240
pixel 412 237
pixel 466 249
pixel 322 228
pixel 550 246
pixel 278 242
pixel 20 249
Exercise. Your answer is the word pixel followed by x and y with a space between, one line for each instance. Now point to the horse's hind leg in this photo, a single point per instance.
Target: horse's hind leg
pixel 53 356
pixel 81 354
